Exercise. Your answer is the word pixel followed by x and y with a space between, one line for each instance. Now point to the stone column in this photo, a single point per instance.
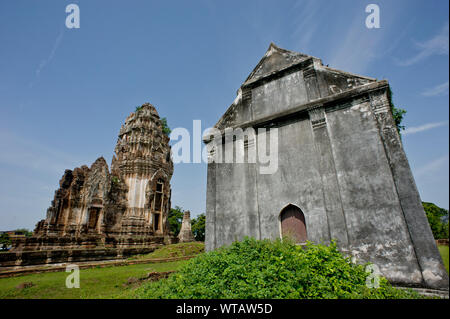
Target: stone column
pixel 210 227
pixel 185 234
pixel 312 85
pixel 330 187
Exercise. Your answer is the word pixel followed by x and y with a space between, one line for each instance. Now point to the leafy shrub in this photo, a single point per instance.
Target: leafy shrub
pixel 270 269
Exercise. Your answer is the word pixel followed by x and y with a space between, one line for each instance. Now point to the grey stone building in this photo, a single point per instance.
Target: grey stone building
pixel 342 172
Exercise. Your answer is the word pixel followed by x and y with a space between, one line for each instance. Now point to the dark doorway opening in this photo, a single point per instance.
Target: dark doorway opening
pixel 156 222
pixel 293 224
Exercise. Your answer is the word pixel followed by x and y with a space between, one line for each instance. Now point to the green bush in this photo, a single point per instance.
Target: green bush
pixel 270 269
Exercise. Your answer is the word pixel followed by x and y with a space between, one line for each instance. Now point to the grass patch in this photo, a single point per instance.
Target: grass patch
pixel 175 250
pixel 443 249
pixel 108 282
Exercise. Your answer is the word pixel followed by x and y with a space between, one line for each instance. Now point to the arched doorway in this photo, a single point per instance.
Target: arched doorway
pixel 293 224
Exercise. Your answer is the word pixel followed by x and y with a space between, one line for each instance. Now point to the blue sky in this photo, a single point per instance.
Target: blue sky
pixel 64 93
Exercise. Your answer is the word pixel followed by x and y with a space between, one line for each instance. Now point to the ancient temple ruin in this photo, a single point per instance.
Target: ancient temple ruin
pixel 341 171
pixel 123 208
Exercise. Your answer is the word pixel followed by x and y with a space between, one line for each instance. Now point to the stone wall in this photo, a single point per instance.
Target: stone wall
pixel 28 258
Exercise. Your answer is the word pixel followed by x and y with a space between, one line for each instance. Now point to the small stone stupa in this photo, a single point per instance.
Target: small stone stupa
pixel 185 234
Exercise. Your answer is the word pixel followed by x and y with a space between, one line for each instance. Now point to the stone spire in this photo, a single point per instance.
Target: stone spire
pixel 143 161
pixel 185 234
pixel 142 147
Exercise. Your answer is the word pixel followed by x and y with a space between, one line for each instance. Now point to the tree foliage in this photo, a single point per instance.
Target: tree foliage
pixel 438 220
pixel 270 269
pixel 198 227
pixel 165 127
pixel 175 218
pixel 5 241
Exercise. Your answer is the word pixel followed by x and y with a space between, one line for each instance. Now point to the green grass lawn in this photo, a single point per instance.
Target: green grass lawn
pixel 108 282
pixel 444 253
pixel 175 250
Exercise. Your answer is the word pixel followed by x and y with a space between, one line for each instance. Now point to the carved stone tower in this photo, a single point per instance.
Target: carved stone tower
pixel 144 163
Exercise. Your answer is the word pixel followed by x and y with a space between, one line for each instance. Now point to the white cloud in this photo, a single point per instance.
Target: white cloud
pixel 437 45
pixel 424 127
pixel 432 166
pixel 441 89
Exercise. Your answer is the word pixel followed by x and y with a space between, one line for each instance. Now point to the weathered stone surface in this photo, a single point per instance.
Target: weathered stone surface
pixel 185 234
pixel 341 164
pixel 126 207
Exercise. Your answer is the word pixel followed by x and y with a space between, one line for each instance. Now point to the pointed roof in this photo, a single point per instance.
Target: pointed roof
pixel 275 63
pixel 275 59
